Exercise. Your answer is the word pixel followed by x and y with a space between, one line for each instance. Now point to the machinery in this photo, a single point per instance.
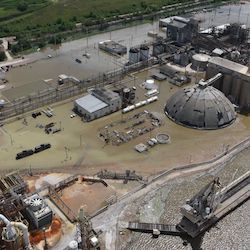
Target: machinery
pixel 201 206
pixel 14 235
pixel 38 212
pixel 212 203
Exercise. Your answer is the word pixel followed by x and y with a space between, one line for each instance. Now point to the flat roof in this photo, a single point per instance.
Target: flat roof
pixel 90 103
pixel 224 63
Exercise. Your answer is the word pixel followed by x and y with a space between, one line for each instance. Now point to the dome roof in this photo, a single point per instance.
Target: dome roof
pixel 200 107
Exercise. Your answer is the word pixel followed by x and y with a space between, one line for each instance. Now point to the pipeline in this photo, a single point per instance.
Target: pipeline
pixel 25 231
pixel 10 229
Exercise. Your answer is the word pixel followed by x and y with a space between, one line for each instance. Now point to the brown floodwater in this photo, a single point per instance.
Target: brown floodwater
pixel 31 77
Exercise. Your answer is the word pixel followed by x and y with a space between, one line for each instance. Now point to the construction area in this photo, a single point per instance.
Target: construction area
pixel 113 133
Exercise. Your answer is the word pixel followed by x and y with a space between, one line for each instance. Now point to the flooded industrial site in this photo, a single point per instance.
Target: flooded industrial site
pixel 98 139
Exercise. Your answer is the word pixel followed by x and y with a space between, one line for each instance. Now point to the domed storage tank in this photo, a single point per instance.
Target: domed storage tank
pixel 201 108
pixel 199 62
pixel 144 53
pixel 134 55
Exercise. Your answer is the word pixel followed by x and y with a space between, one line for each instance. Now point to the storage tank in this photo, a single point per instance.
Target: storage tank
pixel 12 243
pixel 177 58
pixel 158 48
pixel 126 93
pixel 199 62
pixel 2 103
pixel 150 84
pixel 134 55
pixel 73 245
pixel 184 59
pixel 144 53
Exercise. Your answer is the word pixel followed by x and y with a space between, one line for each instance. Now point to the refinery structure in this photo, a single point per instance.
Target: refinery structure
pixel 128 133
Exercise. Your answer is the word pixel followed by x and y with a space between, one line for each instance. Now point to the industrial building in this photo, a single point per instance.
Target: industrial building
pixel 113 47
pixel 201 106
pixel 182 29
pixel 20 213
pixel 99 103
pixel 235 83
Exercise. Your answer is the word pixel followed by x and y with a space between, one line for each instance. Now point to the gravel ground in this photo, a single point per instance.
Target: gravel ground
pixel 233 232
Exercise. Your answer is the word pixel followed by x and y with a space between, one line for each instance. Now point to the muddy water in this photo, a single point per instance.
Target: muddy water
pixel 84 149
pixel 230 233
pixel 63 57
pixel 232 13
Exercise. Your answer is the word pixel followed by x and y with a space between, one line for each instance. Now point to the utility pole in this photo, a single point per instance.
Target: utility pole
pixel 46 247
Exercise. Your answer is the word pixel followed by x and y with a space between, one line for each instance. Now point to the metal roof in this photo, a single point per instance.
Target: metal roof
pixel 177 24
pixel 203 108
pixel 90 103
pixel 225 63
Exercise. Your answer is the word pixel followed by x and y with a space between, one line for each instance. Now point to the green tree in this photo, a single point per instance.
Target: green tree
pixel 2 56
pixel 22 6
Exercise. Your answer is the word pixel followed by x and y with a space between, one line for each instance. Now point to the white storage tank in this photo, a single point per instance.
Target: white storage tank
pixel 150 84
pixel 199 62
pixel 2 103
pixel 73 245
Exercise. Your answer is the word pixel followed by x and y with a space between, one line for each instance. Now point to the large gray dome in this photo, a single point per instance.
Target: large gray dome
pixel 200 107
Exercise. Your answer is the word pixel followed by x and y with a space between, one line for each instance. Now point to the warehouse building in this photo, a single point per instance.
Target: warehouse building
pixel 99 103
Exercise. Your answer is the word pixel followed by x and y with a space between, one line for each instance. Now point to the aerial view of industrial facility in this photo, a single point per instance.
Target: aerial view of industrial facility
pixel 124 127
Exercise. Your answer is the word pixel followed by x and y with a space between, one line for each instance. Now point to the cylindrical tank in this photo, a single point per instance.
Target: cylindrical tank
pixel 227 82
pixel 144 53
pixel 199 62
pixel 184 59
pixel 158 48
pixel 14 243
pixel 2 103
pixel 150 84
pixel 73 245
pixel 236 87
pixel 134 55
pixel 177 58
pixel 126 93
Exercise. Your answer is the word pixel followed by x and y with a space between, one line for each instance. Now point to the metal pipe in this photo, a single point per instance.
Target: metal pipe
pixel 25 231
pixel 10 229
